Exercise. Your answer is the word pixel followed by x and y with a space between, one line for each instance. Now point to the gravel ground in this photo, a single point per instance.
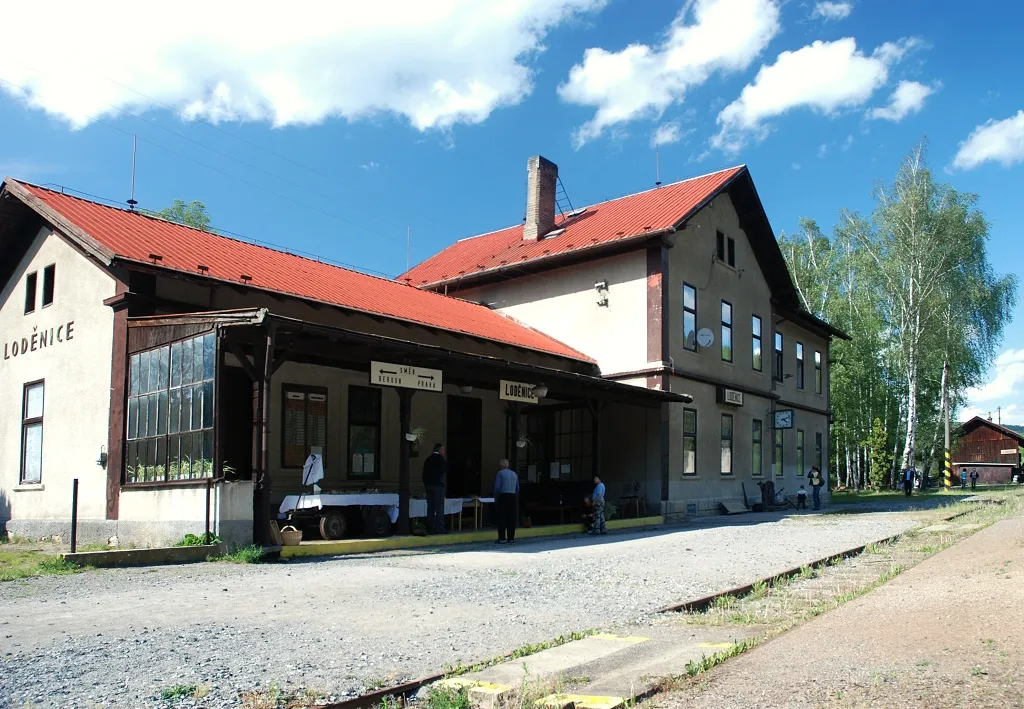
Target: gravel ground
pixel 945 633
pixel 119 637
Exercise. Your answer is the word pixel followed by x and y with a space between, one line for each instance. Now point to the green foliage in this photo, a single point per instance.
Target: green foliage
pixel 446 698
pixel 197 540
pixel 179 691
pixel 191 214
pixel 245 555
pixel 881 458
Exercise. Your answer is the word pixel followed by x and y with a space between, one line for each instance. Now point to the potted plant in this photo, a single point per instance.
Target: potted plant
pixel 415 437
pixel 526 522
pixel 523 441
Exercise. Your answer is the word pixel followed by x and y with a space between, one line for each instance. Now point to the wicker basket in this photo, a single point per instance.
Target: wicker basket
pixel 290 536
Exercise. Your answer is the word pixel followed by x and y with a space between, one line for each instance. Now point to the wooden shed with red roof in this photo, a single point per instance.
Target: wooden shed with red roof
pixel 990 449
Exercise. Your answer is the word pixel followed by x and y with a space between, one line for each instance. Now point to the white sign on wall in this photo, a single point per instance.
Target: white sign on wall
pixel 405 376
pixel 517 391
pixel 1008 451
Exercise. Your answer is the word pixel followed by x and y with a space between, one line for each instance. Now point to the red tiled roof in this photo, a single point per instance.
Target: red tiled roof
pixel 599 224
pixel 131 236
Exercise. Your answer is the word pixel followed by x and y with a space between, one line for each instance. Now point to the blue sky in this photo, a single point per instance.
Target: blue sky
pixel 333 135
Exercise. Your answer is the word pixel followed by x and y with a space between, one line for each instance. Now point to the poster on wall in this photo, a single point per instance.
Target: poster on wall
pixel 357 462
pixel 531 473
pixel 554 471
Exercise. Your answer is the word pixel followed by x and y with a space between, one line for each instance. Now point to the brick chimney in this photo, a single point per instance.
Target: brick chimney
pixel 541 180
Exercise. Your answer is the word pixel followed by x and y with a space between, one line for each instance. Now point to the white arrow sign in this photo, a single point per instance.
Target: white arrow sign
pixel 402 375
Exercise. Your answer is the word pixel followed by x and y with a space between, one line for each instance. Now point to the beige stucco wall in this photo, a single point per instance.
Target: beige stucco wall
pixel 181 510
pixel 564 304
pixel 77 383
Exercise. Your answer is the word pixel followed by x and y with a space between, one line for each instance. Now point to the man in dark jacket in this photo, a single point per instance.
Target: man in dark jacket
pixel 435 474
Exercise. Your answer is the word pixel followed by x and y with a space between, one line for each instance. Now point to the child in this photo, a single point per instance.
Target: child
pixel 801 498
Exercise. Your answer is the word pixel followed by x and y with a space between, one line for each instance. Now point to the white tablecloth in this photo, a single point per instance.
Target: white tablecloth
pixel 417 508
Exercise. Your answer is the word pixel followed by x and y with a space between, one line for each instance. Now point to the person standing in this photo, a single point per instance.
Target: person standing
pixel 817 481
pixel 974 478
pixel 597 499
pixel 506 502
pixel 435 474
pixel 908 481
pixel 963 478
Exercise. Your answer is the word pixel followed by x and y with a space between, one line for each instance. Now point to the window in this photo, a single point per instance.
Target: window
pixel 689 441
pixel 726 444
pixel 799 451
pixel 731 252
pixel 726 331
pixel 303 423
pixel 170 412
pixel 49 274
pixel 755 438
pixel 777 363
pixel 32 433
pixel 561 444
pixel 799 365
pixel 755 325
pixel 364 432
pixel 817 372
pixel 30 292
pixel 720 246
pixel 689 317
pixel 777 461
pixel 817 451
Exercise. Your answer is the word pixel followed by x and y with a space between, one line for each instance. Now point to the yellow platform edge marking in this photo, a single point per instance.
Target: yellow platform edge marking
pixel 369 546
pixel 468 684
pixel 636 639
pixel 580 701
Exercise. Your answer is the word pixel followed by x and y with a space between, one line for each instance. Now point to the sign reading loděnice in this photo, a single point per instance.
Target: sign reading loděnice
pixel 1008 451
pixel 517 391
pixel 39 340
pixel 405 376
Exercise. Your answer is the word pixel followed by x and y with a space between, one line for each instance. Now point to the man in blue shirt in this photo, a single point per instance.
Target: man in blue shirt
pixel 506 502
pixel 597 497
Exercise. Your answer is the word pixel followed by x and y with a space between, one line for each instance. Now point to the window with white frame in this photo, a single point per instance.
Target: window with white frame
pixel 726 444
pixel 799 365
pixel 817 372
pixel 755 441
pixel 689 317
pixel 755 325
pixel 32 434
pixel 726 331
pixel 800 451
pixel 689 441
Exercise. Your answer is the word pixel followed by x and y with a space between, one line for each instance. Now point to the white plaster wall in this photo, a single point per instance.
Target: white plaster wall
pixel 563 304
pixel 77 383
pixel 229 501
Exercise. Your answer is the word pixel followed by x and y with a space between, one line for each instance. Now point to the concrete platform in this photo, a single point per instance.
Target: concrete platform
pixel 146 557
pixel 342 547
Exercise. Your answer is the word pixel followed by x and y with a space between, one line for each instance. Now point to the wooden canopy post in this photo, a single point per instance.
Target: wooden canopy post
pixel 261 438
pixel 404 494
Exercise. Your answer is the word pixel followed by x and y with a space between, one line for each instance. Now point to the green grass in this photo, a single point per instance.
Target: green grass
pixel 245 555
pixel 847 498
pixel 459 669
pixel 26 564
pixel 196 540
pixel 180 691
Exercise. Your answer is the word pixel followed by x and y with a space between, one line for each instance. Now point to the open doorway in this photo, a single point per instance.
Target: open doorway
pixel 236 414
pixel 465 434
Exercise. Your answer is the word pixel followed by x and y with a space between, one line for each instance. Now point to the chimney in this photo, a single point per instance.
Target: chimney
pixel 541 181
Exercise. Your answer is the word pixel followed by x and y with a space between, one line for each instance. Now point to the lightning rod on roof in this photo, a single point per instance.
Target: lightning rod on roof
pixel 657 167
pixel 135 147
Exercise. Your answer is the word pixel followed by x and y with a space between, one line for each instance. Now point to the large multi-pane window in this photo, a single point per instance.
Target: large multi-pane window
pixel 726 444
pixel 726 331
pixel 32 433
pixel 755 326
pixel 561 444
pixel 755 446
pixel 817 372
pixel 170 412
pixel 777 460
pixel 799 451
pixel 799 365
pixel 304 423
pixel 689 441
pixel 777 357
pixel 689 317
pixel 364 432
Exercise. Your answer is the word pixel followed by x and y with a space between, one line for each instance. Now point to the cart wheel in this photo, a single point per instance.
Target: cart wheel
pixel 378 524
pixel 333 525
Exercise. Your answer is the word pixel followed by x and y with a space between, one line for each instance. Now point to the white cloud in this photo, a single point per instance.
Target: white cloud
pixel 832 10
pixel 371 166
pixel 823 150
pixel 641 81
pixel 795 165
pixel 909 97
pixel 823 76
pixel 995 141
pixel 434 63
pixel 1007 381
pixel 667 133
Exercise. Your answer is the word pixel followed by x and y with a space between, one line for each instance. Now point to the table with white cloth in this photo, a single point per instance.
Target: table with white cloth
pixel 388 500
pixel 477 503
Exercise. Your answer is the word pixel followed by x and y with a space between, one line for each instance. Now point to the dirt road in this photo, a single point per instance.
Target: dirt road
pixel 946 633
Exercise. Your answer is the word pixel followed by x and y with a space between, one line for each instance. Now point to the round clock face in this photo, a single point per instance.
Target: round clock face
pixel 705 338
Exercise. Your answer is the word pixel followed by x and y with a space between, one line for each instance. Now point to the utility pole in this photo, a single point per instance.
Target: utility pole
pixel 947 475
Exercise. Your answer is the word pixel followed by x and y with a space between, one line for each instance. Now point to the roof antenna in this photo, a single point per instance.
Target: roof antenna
pixel 657 167
pixel 135 147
